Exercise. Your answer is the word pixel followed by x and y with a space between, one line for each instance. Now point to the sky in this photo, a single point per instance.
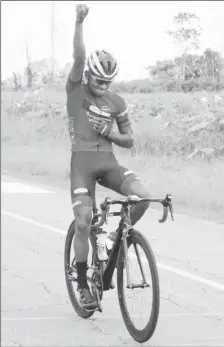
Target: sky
pixel 133 31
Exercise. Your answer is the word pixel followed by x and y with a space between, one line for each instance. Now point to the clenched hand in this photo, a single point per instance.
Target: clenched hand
pixel 82 11
pixel 100 126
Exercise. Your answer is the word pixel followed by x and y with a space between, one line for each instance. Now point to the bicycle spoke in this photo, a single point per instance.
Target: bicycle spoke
pixel 140 264
pixel 73 261
pixel 137 293
pixel 126 261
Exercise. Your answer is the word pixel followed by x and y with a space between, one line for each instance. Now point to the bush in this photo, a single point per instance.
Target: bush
pixel 146 86
pixel 166 124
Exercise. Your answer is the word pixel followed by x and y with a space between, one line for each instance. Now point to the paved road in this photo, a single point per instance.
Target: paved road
pixel 36 310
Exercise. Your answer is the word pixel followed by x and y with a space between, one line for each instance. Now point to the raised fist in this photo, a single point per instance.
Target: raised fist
pixel 81 12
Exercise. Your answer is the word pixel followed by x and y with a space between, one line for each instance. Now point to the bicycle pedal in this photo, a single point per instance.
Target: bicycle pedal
pixel 99 309
pixel 72 278
pixel 89 310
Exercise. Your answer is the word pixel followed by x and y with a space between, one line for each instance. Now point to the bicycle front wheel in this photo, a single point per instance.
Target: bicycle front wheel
pixel 144 281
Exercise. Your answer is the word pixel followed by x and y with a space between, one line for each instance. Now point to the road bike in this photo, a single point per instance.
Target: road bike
pixel 100 269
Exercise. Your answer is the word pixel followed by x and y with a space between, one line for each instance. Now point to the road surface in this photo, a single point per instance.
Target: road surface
pixel 36 310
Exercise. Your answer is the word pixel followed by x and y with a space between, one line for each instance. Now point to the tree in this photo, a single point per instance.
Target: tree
pixel 163 72
pixel 194 66
pixel 186 35
pixel 201 71
pixel 213 64
pixel 16 81
pixel 28 69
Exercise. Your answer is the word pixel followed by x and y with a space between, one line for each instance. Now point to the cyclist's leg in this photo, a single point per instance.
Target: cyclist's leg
pixel 126 182
pixel 82 186
pixel 132 185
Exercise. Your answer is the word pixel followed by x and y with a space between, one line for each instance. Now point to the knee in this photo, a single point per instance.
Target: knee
pixel 83 221
pixel 82 208
pixel 140 190
pixel 143 193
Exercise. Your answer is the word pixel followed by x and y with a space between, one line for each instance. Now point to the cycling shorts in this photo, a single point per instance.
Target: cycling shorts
pixel 87 168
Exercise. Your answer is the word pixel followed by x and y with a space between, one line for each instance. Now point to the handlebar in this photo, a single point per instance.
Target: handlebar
pixel 133 200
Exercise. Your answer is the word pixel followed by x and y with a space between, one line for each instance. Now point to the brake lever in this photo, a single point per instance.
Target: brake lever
pixel 165 214
pixel 167 204
pixel 168 199
pixel 104 204
pixel 107 211
pixel 171 211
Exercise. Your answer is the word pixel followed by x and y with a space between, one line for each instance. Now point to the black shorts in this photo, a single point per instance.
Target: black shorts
pixel 87 168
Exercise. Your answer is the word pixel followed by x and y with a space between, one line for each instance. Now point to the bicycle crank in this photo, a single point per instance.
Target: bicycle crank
pixel 97 288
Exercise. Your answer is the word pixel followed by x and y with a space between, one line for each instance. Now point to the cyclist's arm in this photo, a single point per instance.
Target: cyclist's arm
pixel 123 138
pixel 79 54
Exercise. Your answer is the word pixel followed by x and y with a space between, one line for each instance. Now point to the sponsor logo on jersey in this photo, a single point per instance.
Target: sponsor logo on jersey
pixel 122 114
pixel 98 112
pixel 77 203
pixel 95 112
pixel 105 108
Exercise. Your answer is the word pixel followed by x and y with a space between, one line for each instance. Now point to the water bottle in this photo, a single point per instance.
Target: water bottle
pixel 101 245
pixel 110 240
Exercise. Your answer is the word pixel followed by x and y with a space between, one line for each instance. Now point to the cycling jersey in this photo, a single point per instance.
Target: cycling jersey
pixel 81 105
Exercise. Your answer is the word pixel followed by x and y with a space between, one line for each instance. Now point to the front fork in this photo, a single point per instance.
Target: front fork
pixel 125 235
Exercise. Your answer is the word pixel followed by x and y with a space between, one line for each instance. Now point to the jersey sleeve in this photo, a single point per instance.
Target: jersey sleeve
pixel 75 75
pixel 122 117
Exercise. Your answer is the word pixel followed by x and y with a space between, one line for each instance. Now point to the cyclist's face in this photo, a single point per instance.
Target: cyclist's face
pixel 97 86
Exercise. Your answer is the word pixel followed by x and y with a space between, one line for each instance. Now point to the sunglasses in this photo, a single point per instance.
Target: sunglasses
pixel 101 81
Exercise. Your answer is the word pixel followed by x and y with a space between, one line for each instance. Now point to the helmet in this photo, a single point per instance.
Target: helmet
pixel 103 65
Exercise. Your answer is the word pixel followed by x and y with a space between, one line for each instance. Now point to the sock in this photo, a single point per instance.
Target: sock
pixel 81 271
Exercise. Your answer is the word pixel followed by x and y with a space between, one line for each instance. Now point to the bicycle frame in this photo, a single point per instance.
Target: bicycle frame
pixel 123 233
pixel 111 262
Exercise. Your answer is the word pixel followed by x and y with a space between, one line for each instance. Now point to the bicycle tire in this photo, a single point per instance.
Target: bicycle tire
pixel 74 300
pixel 145 334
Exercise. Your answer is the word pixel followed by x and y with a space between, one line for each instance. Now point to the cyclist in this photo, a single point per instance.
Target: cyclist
pixel 92 109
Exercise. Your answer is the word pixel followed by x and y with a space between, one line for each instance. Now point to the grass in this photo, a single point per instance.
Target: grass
pixel 39 148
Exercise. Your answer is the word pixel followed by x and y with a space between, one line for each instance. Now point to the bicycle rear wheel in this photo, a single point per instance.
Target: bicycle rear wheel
pixel 70 270
pixel 137 240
